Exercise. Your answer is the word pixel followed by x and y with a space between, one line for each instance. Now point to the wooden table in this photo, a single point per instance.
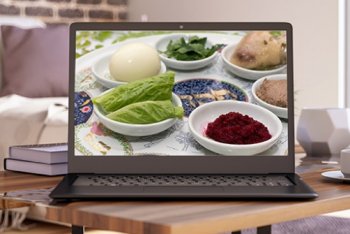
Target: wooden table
pixel 175 217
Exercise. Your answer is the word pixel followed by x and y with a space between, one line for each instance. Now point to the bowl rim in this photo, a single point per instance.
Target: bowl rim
pixel 100 77
pixel 257 72
pixel 258 83
pixel 236 146
pixel 176 101
pixel 165 58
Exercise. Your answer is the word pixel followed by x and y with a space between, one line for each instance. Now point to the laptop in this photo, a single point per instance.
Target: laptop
pixel 181 110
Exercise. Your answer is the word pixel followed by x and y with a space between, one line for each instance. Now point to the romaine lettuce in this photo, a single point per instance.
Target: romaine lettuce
pixel 147 112
pixel 155 88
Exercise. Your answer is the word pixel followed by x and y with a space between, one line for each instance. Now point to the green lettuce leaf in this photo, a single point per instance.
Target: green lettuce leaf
pixel 147 112
pixel 155 88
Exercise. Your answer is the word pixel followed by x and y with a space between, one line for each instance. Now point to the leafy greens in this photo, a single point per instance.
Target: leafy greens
pixel 193 49
pixel 150 89
pixel 147 112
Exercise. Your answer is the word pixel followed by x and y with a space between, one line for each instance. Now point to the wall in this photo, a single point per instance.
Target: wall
pixel 315 25
pixel 347 51
pixel 66 11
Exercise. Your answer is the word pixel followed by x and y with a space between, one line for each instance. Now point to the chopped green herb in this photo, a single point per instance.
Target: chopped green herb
pixel 194 49
pixel 83 44
pixel 84 40
pixel 276 33
pixel 102 35
pixel 129 35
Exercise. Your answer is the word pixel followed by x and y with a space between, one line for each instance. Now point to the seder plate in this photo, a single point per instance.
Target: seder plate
pixel 204 85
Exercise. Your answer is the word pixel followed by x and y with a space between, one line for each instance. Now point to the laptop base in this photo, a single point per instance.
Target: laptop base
pixel 71 188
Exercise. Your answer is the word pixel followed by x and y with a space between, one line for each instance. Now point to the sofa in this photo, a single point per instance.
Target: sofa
pixel 33 104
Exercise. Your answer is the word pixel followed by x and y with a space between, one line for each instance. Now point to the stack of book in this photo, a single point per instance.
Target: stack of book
pixel 43 159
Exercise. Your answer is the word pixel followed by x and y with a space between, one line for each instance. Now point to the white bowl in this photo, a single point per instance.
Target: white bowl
pixel 100 70
pixel 137 129
pixel 208 112
pixel 162 44
pixel 249 74
pixel 279 111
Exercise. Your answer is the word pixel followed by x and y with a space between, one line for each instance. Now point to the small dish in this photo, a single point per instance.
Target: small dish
pixel 335 175
pixel 208 112
pixel 279 111
pixel 137 129
pixel 196 91
pixel 162 44
pixel 100 71
pixel 243 72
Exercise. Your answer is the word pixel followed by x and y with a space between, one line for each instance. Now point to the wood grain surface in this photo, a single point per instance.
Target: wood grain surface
pixel 46 228
pixel 204 217
pixel 12 181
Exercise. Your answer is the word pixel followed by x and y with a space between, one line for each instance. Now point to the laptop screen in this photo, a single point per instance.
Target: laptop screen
pixel 188 93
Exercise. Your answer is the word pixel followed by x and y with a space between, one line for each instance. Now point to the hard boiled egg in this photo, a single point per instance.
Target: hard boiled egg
pixel 134 61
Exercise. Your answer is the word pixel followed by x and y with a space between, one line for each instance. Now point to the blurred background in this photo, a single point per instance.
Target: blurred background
pixel 66 11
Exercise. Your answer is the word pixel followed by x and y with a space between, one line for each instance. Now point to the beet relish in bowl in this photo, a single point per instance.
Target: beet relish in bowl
pixel 234 127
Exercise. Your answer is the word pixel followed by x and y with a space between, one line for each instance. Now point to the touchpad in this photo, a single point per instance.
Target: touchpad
pixel 182 189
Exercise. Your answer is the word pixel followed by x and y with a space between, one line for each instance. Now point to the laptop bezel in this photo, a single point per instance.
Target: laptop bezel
pixel 182 164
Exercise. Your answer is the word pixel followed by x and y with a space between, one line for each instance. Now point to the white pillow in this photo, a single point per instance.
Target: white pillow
pixel 21 22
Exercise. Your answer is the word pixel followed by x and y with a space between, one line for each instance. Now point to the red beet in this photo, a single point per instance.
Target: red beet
pixel 235 128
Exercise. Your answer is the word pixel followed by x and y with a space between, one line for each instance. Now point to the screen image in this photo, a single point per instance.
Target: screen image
pixel 180 93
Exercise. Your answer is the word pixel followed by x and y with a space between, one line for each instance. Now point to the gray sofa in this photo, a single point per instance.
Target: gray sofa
pixel 26 120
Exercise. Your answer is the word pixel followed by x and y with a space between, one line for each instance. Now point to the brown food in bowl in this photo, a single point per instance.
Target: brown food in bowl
pixel 273 92
pixel 260 50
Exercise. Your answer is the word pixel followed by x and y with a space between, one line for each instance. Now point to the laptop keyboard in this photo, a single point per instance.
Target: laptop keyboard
pixel 182 180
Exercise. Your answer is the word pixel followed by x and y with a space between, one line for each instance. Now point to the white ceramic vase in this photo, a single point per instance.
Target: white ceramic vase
pixel 324 131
